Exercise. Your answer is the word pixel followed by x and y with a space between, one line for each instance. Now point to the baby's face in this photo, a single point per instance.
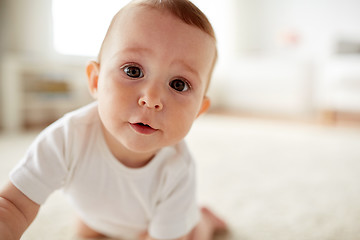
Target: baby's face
pixel 153 74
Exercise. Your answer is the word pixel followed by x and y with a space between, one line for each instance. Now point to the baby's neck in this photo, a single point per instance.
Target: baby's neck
pixel 128 158
pixel 132 163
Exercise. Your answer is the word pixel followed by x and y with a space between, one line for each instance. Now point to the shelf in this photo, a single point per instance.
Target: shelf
pixel 38 93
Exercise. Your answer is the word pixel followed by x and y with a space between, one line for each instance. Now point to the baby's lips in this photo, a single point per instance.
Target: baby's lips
pixel 143 128
pixel 144 124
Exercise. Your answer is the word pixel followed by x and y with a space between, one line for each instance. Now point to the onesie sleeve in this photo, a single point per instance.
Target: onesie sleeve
pixel 178 213
pixel 42 170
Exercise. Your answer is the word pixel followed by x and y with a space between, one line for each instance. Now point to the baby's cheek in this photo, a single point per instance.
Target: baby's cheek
pixel 183 125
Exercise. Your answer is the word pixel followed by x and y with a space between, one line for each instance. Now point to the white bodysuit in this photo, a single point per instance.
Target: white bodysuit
pixel 111 198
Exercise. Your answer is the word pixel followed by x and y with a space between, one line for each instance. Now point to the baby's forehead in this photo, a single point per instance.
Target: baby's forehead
pixel 136 7
pixel 182 10
pixel 136 10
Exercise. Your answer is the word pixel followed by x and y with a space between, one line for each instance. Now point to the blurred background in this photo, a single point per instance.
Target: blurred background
pixel 284 126
pixel 290 59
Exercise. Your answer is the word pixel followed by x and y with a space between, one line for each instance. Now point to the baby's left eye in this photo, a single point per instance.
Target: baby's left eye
pixel 179 85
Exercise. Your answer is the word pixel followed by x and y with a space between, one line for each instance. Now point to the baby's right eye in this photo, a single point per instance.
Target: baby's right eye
pixel 133 71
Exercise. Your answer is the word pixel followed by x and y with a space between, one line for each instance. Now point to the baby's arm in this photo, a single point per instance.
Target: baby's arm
pixel 17 212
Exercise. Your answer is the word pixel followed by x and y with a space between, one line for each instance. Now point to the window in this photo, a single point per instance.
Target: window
pixel 80 26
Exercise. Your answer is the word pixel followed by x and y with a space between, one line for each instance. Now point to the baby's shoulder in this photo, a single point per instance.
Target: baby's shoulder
pixel 177 159
pixel 71 125
pixel 83 116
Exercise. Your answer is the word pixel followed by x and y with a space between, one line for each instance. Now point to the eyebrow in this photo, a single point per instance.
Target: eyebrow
pixel 137 50
pixel 188 68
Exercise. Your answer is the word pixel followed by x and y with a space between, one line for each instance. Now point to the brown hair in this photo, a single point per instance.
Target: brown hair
pixel 182 9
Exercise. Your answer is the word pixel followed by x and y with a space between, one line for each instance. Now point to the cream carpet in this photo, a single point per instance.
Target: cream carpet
pixel 268 179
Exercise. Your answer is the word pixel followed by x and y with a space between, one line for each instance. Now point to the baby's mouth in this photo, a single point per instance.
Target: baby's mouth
pixel 143 125
pixel 143 128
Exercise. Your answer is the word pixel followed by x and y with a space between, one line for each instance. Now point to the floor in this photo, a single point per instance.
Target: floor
pixel 269 179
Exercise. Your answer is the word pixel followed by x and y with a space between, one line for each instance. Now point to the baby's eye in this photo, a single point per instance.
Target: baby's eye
pixel 133 71
pixel 179 85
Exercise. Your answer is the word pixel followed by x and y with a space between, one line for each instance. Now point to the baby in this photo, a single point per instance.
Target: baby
pixel 122 161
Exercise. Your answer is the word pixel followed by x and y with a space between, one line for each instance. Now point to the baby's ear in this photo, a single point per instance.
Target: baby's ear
pixel 204 106
pixel 92 72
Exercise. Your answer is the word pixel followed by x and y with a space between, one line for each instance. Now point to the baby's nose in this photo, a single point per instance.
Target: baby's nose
pixel 150 102
pixel 151 98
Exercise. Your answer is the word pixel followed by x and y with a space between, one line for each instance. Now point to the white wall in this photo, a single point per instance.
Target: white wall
pixel 318 23
pixel 28 26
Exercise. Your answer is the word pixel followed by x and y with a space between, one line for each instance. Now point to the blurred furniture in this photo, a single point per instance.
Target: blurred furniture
pixel 266 85
pixel 37 92
pixel 338 88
